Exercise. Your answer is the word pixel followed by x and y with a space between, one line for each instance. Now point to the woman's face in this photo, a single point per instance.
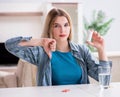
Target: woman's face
pixel 61 29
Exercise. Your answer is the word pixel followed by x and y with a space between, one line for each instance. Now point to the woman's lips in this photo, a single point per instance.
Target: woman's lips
pixel 62 35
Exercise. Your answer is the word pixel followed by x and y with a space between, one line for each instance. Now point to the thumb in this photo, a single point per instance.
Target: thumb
pixel 48 53
pixel 89 43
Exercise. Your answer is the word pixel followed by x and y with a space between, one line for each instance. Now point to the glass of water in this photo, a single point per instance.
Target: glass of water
pixel 104 76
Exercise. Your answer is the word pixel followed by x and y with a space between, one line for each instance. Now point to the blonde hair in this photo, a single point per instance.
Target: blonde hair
pixel 50 18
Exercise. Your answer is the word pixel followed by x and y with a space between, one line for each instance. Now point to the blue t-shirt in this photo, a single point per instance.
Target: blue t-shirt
pixel 65 69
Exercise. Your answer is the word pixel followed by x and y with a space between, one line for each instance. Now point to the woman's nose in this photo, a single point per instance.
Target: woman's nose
pixel 62 29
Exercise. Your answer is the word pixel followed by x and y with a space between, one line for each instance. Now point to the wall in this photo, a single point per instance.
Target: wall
pixel 110 7
pixel 112 10
pixel 23 27
pixel 28 25
pixel 12 26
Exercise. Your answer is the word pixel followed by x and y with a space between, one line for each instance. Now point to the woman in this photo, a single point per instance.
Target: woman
pixel 59 61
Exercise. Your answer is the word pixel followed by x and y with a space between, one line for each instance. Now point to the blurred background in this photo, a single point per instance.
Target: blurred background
pixel 32 24
pixel 26 18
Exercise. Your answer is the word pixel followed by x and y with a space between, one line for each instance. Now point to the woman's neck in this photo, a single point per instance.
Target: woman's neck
pixel 63 46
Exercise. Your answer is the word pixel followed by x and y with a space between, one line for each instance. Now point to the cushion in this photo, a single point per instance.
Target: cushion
pixel 7 79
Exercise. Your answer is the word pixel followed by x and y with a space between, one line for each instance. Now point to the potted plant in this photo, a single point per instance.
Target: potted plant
pixel 98 23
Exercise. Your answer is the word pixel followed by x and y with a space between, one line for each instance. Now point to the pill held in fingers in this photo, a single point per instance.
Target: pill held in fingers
pixel 89 35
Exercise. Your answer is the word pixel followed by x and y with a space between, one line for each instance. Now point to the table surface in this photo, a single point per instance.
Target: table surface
pixel 89 90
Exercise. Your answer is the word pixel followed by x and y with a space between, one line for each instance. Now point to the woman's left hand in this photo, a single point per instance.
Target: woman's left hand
pixel 97 41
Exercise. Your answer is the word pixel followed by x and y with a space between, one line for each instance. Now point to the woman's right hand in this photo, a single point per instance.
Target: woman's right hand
pixel 48 45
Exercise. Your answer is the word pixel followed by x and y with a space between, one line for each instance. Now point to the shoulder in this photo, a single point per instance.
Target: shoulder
pixel 78 47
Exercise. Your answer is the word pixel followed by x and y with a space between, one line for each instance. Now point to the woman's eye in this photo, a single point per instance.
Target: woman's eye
pixel 56 26
pixel 66 25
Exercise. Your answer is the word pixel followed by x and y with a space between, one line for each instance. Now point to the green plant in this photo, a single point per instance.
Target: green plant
pixel 98 23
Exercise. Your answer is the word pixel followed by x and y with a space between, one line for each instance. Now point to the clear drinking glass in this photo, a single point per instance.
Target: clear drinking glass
pixel 104 76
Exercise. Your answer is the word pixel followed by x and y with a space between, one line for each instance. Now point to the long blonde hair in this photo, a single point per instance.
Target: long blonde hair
pixel 50 18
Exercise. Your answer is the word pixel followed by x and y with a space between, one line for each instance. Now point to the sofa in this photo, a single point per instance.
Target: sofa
pixel 23 76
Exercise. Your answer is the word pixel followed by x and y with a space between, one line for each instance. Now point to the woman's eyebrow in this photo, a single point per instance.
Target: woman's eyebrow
pixel 55 23
pixel 59 23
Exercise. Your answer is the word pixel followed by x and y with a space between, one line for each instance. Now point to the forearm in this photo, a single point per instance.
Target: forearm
pixel 31 42
pixel 12 44
pixel 102 55
pixel 25 52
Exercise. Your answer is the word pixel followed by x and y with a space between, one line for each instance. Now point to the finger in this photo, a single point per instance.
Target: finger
pixel 52 47
pixel 89 43
pixel 49 54
pixel 95 34
pixel 49 45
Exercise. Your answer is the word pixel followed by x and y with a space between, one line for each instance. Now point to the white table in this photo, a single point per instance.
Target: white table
pixel 91 90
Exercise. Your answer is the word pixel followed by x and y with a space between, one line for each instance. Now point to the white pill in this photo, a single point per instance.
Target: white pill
pixel 89 35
